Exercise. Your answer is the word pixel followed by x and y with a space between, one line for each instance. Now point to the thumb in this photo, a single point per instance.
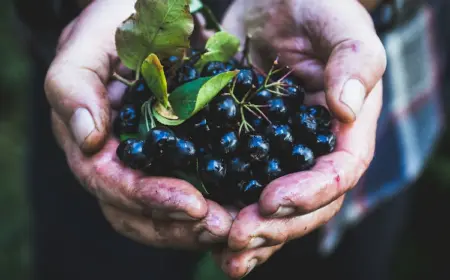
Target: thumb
pixel 356 57
pixel 75 84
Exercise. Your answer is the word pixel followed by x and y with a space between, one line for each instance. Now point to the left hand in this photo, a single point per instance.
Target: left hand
pixel 332 45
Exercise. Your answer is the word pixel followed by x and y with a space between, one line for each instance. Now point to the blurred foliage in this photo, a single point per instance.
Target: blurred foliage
pixel 417 255
pixel 14 241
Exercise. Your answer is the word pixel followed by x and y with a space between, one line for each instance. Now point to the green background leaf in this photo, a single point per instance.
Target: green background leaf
pixel 191 97
pixel 222 46
pixel 153 73
pixel 195 6
pixel 162 27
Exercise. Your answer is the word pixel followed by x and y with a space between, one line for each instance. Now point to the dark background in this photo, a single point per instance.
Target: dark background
pixel 421 254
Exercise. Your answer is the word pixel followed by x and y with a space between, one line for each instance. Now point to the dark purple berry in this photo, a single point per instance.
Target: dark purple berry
pixel 250 190
pixel 245 80
pixel 120 151
pixel 257 147
pixel 223 111
pixel 280 137
pixel 212 171
pixel 324 144
pixel 301 158
pixel 182 155
pixel 133 155
pixel 127 121
pixel 227 143
pixel 262 97
pixel 294 94
pixel 260 80
pixel 304 125
pixel 322 115
pixel 277 111
pixel 213 68
pixel 271 170
pixel 158 141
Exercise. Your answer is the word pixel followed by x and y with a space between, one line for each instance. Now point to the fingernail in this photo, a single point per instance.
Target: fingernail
pixel 353 95
pixel 283 212
pixel 250 266
pixel 256 242
pixel 207 237
pixel 82 125
pixel 180 216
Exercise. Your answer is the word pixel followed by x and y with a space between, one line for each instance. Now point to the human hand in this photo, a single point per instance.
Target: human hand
pixel 157 211
pixel 333 48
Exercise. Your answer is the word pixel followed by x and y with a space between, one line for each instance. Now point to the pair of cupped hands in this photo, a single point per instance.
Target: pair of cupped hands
pixel 333 47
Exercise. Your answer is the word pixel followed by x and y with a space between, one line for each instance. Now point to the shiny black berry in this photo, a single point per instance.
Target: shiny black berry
pixel 245 80
pixel 183 154
pixel 295 95
pixel 301 158
pixel 213 68
pixel 226 143
pixel 137 94
pixel 280 137
pixel 260 80
pixel 257 147
pixel 127 121
pixel 262 97
pixel 212 171
pixel 324 143
pixel 120 151
pixel 304 125
pixel 239 169
pixel 186 73
pixel 250 190
pixel 322 115
pixel 223 111
pixel 231 65
pixel 158 141
pixel 132 154
pixel 277 110
pixel 271 169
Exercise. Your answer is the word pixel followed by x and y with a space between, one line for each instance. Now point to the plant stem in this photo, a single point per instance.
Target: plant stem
pixel 210 16
pixel 123 80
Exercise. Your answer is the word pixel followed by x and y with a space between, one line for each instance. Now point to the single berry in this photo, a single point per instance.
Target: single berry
pixel 280 137
pixel 120 151
pixel 227 143
pixel 262 97
pixel 294 94
pixel 133 155
pixel 183 154
pixel 277 110
pixel 301 158
pixel 231 65
pixel 185 74
pixel 223 110
pixel 304 125
pixel 212 171
pixel 260 80
pixel 322 115
pixel 257 147
pixel 137 94
pixel 127 121
pixel 158 141
pixel 245 80
pixel 271 170
pixel 324 144
pixel 213 68
pixel 250 190
pixel 239 169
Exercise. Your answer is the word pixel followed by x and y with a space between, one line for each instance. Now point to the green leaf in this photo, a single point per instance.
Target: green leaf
pixel 161 116
pixel 162 27
pixel 191 97
pixel 153 73
pixel 222 46
pixel 195 6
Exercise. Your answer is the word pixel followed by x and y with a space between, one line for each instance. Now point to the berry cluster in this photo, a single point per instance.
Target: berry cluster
pixel 255 131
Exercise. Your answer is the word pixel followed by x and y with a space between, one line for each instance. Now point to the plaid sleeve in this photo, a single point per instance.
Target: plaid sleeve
pixel 409 125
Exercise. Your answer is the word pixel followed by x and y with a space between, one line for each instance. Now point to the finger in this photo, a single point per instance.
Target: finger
pixel 333 174
pixel 75 82
pixel 211 230
pixel 356 59
pixel 250 230
pixel 238 265
pixel 105 177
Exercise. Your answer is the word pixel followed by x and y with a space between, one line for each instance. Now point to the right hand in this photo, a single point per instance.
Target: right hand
pixel 156 211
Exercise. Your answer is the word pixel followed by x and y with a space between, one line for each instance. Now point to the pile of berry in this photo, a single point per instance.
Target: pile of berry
pixel 255 131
